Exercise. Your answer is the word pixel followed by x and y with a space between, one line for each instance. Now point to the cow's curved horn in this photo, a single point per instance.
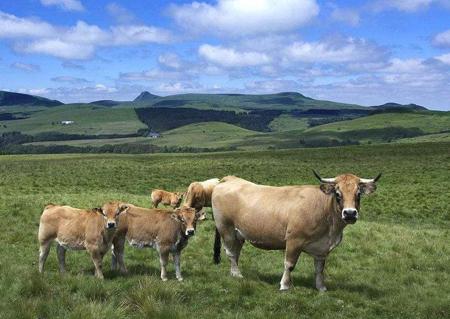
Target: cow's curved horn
pixel 324 180
pixel 370 180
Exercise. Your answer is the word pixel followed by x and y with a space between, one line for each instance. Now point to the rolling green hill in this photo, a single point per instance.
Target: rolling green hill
pixel 12 98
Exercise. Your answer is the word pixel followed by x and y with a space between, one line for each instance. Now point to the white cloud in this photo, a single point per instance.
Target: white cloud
pixel 25 66
pixel 244 17
pixel 14 27
pixel 135 34
pixel 444 58
pixel 348 16
pixel 442 39
pixel 58 48
pixel 231 58
pixel 170 60
pixel 77 42
pixel 68 5
pixel 338 50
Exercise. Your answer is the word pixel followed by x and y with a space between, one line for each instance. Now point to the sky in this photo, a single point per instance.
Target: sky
pixel 363 52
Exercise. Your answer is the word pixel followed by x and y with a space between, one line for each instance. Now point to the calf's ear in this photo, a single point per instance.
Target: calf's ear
pixel 327 188
pixel 367 188
pixel 123 208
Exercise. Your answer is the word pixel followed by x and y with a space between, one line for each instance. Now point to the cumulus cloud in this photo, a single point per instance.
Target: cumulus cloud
pixel 444 58
pixel 25 66
pixel 77 42
pixel 15 27
pixel 442 39
pixel 231 58
pixel 68 5
pixel 71 65
pixel 337 50
pixel 243 17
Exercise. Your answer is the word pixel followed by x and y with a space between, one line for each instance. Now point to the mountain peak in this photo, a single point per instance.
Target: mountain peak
pixel 145 96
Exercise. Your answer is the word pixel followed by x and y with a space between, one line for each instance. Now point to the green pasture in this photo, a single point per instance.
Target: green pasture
pixel 393 263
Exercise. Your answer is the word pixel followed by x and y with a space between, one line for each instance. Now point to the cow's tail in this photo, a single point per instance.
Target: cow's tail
pixel 217 247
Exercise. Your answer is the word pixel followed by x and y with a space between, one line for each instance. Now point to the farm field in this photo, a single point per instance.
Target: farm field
pixel 89 119
pixel 393 263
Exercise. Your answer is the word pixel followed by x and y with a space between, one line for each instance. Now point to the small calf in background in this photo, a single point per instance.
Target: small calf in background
pixel 166 230
pixel 166 198
pixel 78 229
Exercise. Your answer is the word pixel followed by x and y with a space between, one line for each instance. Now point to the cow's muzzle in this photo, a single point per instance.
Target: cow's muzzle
pixel 350 215
pixel 190 232
pixel 111 225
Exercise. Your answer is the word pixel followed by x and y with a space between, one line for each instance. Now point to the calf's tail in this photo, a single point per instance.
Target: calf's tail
pixel 217 246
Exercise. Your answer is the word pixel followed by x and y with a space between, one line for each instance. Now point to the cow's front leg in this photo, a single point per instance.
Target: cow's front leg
pixel 163 259
pixel 319 265
pixel 176 261
pixel 292 253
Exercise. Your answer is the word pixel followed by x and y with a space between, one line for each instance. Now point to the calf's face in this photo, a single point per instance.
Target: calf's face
pixel 188 218
pixel 175 201
pixel 111 212
pixel 348 189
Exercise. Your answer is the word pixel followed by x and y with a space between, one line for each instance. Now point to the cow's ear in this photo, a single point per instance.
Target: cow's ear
pixel 327 188
pixel 367 188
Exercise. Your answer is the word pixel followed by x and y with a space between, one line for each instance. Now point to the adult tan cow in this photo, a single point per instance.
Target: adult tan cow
pixel 199 194
pixel 167 198
pixel 77 229
pixel 164 229
pixel 291 218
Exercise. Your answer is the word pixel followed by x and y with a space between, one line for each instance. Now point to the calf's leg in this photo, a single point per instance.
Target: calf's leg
pixel 61 252
pixel 163 259
pixel 319 265
pixel 97 259
pixel 117 256
pixel 176 261
pixel 43 254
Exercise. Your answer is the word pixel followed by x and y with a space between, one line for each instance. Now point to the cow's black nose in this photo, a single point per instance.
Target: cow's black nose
pixel 190 232
pixel 111 225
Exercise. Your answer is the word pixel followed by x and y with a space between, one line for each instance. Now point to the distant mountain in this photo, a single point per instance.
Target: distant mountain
pixel 12 98
pixel 145 97
pixel 392 105
pixel 278 101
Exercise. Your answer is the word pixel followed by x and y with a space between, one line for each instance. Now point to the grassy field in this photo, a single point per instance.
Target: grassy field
pixel 88 119
pixel 429 122
pixel 393 263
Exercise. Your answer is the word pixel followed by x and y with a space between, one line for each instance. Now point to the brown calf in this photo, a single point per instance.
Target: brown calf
pixel 164 229
pixel 77 229
pixel 166 198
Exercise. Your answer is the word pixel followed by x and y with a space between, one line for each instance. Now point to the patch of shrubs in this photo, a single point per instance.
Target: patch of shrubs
pixel 163 118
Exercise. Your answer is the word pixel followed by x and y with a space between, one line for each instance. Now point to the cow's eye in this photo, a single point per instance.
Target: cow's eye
pixel 338 196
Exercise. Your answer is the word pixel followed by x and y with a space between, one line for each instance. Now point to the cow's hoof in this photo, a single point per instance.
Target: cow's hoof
pixel 164 279
pixel 285 287
pixel 236 275
pixel 322 289
pixel 180 278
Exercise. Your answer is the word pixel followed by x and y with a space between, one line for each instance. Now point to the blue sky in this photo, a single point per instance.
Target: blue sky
pixel 365 52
